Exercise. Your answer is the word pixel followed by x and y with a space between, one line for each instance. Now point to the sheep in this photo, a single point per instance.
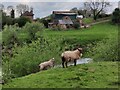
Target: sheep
pixel 46 65
pixel 69 56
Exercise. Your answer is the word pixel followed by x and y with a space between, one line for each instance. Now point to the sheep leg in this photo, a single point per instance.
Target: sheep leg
pixel 63 64
pixel 63 60
pixel 75 62
pixel 66 64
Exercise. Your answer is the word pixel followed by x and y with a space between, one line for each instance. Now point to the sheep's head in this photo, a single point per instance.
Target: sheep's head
pixel 52 60
pixel 80 50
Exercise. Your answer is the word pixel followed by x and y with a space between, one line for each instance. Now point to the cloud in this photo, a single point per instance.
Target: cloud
pixel 45 8
pixel 42 9
pixel 52 0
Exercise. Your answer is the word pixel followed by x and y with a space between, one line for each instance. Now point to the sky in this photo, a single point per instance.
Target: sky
pixel 44 8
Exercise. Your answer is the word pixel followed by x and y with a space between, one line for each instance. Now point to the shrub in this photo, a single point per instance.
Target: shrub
pixel 116 16
pixel 32 29
pixel 22 21
pixel 105 50
pixel 9 36
pixel 27 59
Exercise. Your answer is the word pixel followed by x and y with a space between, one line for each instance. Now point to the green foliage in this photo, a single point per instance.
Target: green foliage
pixel 32 29
pixel 12 39
pixel 22 21
pixel 33 54
pixel 105 50
pixel 10 36
pixel 116 16
pixel 45 21
pixel 6 20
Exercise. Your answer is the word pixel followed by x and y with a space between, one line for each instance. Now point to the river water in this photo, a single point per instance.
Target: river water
pixel 80 61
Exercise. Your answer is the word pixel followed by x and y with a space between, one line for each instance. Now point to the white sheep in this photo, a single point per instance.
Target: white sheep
pixel 46 65
pixel 69 56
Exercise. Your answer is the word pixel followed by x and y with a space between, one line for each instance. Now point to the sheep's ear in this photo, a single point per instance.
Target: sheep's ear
pixel 80 49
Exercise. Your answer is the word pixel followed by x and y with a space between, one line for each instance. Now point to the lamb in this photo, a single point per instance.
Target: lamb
pixel 46 65
pixel 69 56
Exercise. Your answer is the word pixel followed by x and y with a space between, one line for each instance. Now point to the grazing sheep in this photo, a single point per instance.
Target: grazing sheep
pixel 48 64
pixel 68 56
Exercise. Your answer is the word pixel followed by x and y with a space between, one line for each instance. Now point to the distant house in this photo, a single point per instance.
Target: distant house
pixel 64 19
pixel 28 14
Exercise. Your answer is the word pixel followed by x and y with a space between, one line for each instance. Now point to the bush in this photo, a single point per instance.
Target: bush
pixel 10 36
pixel 116 16
pixel 32 29
pixel 105 50
pixel 27 59
pixel 22 21
pixel 10 50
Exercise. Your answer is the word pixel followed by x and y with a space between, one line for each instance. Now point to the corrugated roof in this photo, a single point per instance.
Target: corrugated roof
pixel 59 12
pixel 67 13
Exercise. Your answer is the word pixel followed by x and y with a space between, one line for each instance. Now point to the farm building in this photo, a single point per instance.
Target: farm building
pixel 57 15
pixel 64 19
pixel 28 14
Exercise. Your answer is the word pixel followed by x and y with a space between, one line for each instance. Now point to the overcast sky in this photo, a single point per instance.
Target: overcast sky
pixel 44 8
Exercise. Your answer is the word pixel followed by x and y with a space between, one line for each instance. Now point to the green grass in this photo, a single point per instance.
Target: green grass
pixel 91 75
pixel 88 20
pixel 0 37
pixel 85 36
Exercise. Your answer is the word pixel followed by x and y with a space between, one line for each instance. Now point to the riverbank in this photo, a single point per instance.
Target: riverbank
pixel 90 75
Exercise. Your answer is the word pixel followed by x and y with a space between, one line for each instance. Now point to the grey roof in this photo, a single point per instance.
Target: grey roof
pixel 65 22
pixel 67 13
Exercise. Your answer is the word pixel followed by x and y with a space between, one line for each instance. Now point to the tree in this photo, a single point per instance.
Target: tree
pixel 116 16
pixel 96 6
pixel 9 8
pixel 21 8
pixel 1 7
pixel 6 20
pixel 12 13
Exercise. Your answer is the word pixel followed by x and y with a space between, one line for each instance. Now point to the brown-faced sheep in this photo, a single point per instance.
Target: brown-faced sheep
pixel 46 65
pixel 68 56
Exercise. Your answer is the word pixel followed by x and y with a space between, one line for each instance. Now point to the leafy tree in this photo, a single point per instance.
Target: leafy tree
pixel 9 9
pixel 116 16
pixel 1 7
pixel 6 20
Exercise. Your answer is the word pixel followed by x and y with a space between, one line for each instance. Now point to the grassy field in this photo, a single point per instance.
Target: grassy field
pixel 85 36
pixel 92 75
pixel 0 37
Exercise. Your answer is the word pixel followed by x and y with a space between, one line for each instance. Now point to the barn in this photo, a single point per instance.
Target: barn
pixel 64 19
